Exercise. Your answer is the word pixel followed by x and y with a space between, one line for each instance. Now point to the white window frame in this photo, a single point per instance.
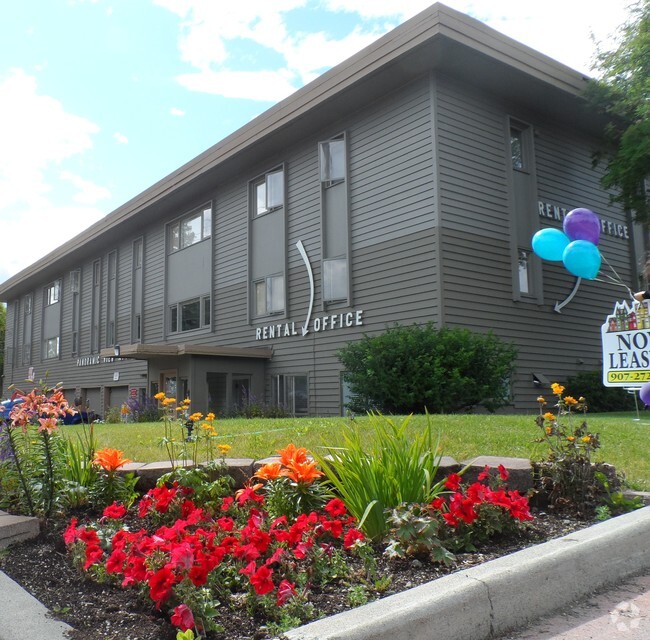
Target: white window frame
pixel 51 348
pixel 335 289
pixel 333 161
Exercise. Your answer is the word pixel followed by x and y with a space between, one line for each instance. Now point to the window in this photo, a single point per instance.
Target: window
pixel 524 271
pixel 137 328
pixel 191 229
pixel 332 161
pixel 269 295
pixel 75 289
pixel 517 149
pixel 137 254
pixel 291 393
pixel 74 281
pixel 27 328
pixel 51 348
pixel 28 305
pixel 53 293
pixel 96 306
pixel 335 279
pixel 269 192
pixel 189 315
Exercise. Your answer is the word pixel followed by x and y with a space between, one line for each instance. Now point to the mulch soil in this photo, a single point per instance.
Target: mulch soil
pixel 107 612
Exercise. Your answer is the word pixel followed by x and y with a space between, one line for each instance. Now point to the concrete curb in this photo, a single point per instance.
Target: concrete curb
pixel 23 616
pixel 504 594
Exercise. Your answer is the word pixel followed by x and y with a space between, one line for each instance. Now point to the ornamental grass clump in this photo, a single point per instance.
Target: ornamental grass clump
pixel 392 469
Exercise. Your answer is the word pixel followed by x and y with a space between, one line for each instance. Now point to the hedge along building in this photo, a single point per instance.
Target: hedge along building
pixel 402 186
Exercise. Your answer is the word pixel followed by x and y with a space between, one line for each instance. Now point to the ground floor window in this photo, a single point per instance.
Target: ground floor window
pixel 51 348
pixel 189 315
pixel 292 393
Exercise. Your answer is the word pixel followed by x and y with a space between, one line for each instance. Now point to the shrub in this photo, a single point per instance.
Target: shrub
pixel 417 368
pixel 601 398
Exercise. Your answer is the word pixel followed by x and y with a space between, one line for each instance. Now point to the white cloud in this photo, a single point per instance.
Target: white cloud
pixel 88 192
pixel 175 111
pixel 120 138
pixel 250 85
pixel 38 136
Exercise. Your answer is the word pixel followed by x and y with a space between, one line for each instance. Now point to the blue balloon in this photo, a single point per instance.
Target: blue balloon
pixel 582 259
pixel 549 244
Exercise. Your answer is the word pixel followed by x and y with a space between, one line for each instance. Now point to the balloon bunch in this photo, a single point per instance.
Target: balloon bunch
pixel 575 247
pixel 644 393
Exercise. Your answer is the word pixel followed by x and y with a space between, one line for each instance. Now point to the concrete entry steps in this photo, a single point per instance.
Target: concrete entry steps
pixel 16 528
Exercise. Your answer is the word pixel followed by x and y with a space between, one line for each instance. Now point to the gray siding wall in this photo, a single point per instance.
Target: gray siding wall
pixel 430 240
pixel 476 236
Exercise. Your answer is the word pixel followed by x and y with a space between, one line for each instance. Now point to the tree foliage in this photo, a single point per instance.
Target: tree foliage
pixel 410 369
pixel 623 93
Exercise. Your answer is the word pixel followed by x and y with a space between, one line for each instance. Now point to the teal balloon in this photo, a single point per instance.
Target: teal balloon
pixel 549 244
pixel 582 259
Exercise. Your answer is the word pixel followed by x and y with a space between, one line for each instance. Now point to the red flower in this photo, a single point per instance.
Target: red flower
pixel 485 474
pixel 286 591
pixel 453 482
pixel 352 536
pixel 182 617
pixel 115 562
pixel 335 508
pixel 94 554
pixel 335 527
pixel 115 511
pixel 437 504
pixel 503 472
pixel 160 585
pixel 261 581
pixel 71 534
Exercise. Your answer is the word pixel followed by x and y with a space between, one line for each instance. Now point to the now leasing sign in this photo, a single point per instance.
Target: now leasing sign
pixel 626 346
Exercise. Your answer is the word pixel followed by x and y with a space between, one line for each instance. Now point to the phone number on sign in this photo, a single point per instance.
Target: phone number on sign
pixel 628 376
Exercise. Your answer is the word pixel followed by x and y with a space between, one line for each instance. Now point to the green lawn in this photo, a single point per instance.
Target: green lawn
pixel 625 440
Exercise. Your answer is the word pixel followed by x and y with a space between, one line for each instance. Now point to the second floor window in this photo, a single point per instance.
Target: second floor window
pixel 269 192
pixel 189 315
pixel 53 293
pixel 191 229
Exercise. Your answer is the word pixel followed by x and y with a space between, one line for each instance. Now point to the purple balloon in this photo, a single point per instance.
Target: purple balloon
pixel 644 393
pixel 582 224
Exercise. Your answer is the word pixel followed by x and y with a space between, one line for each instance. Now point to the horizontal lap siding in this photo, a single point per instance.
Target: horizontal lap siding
pixel 476 239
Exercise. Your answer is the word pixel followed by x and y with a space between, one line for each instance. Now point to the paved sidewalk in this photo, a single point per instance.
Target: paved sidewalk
pixel 618 613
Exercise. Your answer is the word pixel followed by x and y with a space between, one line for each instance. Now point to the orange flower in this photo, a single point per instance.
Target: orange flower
pixel 160 396
pixel 270 471
pixel 223 448
pixel 570 400
pixel 557 388
pixel 48 424
pixel 210 417
pixel 549 416
pixel 290 454
pixel 303 471
pixel 110 459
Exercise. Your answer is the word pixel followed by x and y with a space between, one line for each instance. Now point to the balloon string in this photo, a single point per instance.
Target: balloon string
pixel 618 278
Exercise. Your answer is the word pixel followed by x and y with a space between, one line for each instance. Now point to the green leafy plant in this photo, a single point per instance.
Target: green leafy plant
pixel 568 475
pixel 392 469
pixel 417 368
pixel 616 502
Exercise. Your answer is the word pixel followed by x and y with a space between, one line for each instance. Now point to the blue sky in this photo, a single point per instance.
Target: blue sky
pixel 99 99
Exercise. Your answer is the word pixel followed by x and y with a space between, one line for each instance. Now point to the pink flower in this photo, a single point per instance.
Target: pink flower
pixel 286 591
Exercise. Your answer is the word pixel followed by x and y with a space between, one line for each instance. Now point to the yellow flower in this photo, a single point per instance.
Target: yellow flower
pixel 160 396
pixel 570 400
pixel 541 400
pixel 124 410
pixel 186 402
pixel 557 389
pixel 586 439
pixel 224 448
pixel 168 401
pixel 549 416
pixel 549 430
pixel 571 438
pixel 210 416
pixel 195 417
